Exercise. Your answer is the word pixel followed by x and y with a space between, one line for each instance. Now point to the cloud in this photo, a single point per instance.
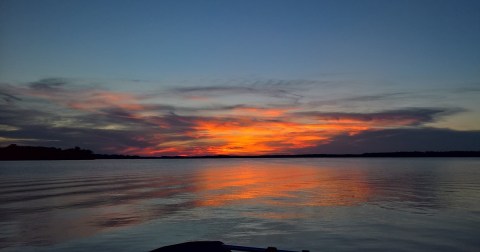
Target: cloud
pixel 359 98
pixel 61 112
pixel 6 94
pixel 400 117
pixel 111 131
pixel 391 140
pixel 8 98
pixel 48 84
pixel 13 115
pixel 265 89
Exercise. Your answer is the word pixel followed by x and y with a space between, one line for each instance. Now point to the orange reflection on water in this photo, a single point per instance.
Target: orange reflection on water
pixel 282 185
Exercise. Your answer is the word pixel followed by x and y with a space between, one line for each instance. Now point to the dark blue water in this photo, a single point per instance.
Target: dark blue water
pixel 388 204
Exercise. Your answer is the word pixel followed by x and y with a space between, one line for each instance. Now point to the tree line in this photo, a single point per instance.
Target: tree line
pixel 16 152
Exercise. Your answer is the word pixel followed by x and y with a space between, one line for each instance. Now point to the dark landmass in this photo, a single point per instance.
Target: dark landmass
pixel 16 152
pixel 369 155
pixel 118 156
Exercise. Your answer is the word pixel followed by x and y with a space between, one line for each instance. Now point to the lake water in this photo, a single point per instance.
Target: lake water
pixel 357 204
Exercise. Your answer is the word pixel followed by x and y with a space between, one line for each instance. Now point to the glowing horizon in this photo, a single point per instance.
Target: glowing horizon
pixel 212 125
pixel 240 77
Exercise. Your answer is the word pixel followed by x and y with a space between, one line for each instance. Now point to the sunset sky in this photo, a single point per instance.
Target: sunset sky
pixel 240 77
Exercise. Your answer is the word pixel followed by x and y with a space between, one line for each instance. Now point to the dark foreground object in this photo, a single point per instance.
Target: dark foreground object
pixel 213 246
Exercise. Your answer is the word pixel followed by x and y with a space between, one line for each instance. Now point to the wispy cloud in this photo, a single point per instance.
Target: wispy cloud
pixel 8 98
pixel 48 84
pixel 273 89
pixel 400 117
pixel 358 98
pixel 5 94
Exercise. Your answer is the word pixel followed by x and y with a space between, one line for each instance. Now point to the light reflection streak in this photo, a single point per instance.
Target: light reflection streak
pixel 283 186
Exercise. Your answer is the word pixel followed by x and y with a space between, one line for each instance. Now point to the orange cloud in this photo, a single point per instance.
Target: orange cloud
pixel 263 132
pixel 247 135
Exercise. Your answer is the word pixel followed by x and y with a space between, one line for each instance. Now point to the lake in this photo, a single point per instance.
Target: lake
pixel 329 204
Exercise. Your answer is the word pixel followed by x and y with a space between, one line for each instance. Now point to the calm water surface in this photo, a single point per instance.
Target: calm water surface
pixel 388 204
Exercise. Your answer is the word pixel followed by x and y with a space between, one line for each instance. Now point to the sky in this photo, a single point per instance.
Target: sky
pixel 247 77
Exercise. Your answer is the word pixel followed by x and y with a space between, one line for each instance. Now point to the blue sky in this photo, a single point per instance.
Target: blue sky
pixel 158 40
pixel 401 54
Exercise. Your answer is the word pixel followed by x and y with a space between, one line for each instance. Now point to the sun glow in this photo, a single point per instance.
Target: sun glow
pixel 259 136
pixel 262 133
pixel 151 128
